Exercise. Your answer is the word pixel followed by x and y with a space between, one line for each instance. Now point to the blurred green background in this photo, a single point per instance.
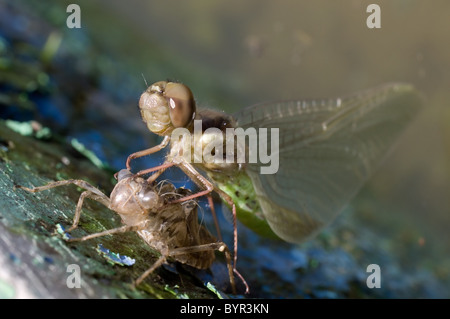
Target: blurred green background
pixel 236 53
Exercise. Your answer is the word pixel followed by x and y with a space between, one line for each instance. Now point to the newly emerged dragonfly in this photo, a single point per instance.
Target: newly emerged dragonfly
pixel 171 228
pixel 327 149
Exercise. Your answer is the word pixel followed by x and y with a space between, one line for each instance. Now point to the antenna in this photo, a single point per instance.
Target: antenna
pixel 145 81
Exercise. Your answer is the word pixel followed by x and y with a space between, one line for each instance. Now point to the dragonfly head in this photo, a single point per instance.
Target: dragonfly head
pixel 167 105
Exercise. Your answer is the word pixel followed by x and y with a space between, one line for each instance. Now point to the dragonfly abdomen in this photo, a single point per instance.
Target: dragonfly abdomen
pixel 240 188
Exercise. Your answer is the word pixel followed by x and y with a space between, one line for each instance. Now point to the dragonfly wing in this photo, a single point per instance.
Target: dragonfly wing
pixel 327 150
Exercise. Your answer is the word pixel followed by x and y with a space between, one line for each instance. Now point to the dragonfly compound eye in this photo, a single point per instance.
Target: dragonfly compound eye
pixel 181 104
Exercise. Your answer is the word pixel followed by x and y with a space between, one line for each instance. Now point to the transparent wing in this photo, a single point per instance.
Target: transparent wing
pixel 327 150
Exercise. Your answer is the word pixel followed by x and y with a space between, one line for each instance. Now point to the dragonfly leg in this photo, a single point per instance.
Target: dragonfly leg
pixel 118 230
pixel 149 151
pixel 230 202
pixel 86 194
pixel 155 175
pixel 213 212
pixel 220 246
pixel 157 264
pixel 201 181
pixel 158 169
pixel 206 193
pixel 91 192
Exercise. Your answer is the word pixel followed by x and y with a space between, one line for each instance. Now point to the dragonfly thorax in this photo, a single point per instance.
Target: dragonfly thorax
pixel 209 149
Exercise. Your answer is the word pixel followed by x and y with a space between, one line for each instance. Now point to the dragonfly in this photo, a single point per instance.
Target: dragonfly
pixel 327 149
pixel 148 209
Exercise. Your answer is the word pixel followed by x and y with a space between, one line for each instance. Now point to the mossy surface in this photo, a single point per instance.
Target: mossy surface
pixel 86 94
pixel 35 256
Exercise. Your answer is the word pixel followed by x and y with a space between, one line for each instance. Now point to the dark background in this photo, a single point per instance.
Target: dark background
pixel 237 53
